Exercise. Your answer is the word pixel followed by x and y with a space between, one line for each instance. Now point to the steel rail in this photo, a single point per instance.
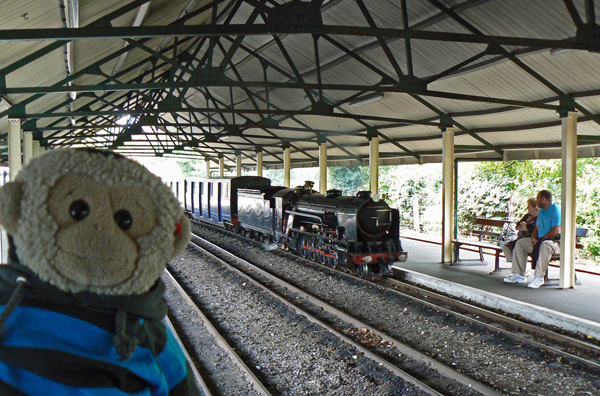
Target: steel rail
pixel 199 379
pixel 256 383
pixel 535 329
pixel 402 348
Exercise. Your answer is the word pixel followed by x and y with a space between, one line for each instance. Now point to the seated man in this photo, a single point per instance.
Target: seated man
pixel 547 229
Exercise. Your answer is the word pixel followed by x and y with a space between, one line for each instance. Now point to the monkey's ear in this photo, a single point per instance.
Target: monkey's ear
pixel 182 235
pixel 10 206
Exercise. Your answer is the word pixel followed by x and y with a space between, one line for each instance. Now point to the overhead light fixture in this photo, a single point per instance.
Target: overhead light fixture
pixel 558 51
pixel 374 97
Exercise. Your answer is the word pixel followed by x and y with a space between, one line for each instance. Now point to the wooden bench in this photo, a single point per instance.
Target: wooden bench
pixel 488 231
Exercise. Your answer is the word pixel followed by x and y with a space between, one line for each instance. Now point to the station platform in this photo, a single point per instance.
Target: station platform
pixel 574 309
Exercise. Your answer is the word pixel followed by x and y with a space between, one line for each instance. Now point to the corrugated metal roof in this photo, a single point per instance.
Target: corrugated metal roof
pixel 491 96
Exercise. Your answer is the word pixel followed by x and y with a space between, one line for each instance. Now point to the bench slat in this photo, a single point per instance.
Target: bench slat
pixel 477 243
pixel 488 233
pixel 491 222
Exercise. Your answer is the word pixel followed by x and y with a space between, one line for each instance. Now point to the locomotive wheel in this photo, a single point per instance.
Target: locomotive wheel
pixel 314 256
pixel 333 263
pixel 304 252
pixel 324 259
pixel 364 271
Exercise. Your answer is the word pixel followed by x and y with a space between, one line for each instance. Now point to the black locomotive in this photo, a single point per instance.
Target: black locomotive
pixel 355 233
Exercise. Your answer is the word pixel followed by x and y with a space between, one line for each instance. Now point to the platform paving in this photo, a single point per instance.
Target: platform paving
pixel 575 309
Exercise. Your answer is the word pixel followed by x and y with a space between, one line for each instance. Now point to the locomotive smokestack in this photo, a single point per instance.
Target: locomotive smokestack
pixel 308 185
pixel 363 194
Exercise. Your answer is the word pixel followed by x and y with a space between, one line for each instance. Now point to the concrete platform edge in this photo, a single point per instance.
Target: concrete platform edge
pixel 527 311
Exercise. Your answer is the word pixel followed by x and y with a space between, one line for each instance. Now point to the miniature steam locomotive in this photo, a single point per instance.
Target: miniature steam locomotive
pixel 355 233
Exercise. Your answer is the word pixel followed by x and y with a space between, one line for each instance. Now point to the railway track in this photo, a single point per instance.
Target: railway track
pixel 257 385
pixel 199 380
pixel 558 341
pixel 554 346
pixel 284 291
pixel 561 344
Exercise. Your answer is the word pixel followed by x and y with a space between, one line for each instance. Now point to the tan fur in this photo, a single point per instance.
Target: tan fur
pixel 92 254
pixel 10 208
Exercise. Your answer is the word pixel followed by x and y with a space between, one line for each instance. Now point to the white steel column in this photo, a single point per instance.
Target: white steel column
pixel 14 146
pixel 238 164
pixel 323 167
pixel 259 163
pixel 221 166
pixel 287 166
pixel 36 148
pixel 374 165
pixel 27 146
pixel 207 160
pixel 447 193
pixel 568 195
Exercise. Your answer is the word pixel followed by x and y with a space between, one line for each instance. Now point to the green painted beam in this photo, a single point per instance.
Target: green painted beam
pixel 258 29
pixel 260 84
pixel 276 112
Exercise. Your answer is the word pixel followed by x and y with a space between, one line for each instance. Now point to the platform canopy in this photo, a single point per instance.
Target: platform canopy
pixel 199 79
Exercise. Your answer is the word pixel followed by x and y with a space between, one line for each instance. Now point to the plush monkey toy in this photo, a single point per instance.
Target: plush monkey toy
pixel 81 302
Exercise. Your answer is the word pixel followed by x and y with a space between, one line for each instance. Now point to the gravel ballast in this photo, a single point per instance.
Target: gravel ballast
pixel 485 355
pixel 288 352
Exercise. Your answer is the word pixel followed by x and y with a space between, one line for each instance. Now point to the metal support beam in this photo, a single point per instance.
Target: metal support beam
pixel 207 161
pixel 568 195
pixel 179 30
pixel 447 193
pixel 287 166
pixel 323 167
pixel 374 165
pixel 27 146
pixel 14 146
pixel 259 163
pixel 221 166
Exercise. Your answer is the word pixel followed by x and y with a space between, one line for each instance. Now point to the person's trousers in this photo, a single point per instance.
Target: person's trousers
pixel 508 253
pixel 523 249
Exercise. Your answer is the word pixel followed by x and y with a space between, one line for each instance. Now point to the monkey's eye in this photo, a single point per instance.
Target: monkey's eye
pixel 79 210
pixel 123 219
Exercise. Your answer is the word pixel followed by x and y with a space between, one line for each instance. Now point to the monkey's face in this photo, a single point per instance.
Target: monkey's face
pixel 93 222
pixel 98 229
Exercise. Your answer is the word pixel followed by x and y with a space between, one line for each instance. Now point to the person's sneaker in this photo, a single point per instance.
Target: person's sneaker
pixel 536 282
pixel 515 278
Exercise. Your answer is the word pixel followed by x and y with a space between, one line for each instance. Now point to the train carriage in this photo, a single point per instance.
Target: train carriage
pixel 215 199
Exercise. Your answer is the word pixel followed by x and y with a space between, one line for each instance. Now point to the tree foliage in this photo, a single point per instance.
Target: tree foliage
pixel 193 168
pixel 348 179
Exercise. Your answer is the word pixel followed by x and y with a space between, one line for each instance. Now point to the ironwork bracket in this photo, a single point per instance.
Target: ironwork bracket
pixel 372 133
pixel 269 123
pixel 323 109
pixel 208 76
pixel 170 104
pixel 589 34
pixel 566 104
pixel 297 15
pixel 446 121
